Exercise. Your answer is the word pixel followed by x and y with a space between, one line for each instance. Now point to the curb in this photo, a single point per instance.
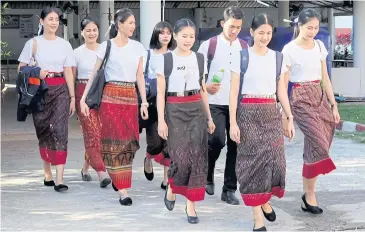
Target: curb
pixel 350 126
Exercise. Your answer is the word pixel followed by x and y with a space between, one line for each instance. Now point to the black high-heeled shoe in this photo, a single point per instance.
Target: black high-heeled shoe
pixel 309 208
pixel 49 183
pixel 163 186
pixel 191 219
pixel 260 229
pixel 169 204
pixel 149 176
pixel 269 216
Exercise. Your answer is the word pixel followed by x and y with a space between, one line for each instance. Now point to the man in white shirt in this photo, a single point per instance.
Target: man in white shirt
pixel 219 52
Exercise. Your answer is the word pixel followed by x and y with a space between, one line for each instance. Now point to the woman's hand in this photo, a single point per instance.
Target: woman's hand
pixel 72 106
pixel 234 133
pixel 43 74
pixel 163 130
pixel 144 111
pixel 84 108
pixel 290 130
pixel 211 126
pixel 335 113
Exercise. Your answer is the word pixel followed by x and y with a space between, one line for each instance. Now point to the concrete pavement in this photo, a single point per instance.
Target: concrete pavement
pixel 28 205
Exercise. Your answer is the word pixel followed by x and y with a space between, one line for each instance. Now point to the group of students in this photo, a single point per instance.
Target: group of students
pixel 190 104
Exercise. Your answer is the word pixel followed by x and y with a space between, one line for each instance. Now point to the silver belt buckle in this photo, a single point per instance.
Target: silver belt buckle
pixel 180 94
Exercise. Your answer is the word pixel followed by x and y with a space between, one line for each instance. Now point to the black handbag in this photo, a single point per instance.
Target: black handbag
pixel 93 98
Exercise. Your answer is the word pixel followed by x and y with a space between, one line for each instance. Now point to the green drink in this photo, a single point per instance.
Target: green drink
pixel 218 76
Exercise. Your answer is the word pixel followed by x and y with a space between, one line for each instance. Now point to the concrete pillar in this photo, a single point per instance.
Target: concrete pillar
pixel 358 39
pixel 65 30
pixel 70 26
pixel 106 11
pixel 331 29
pixel 198 18
pixel 283 13
pixel 150 13
pixel 84 11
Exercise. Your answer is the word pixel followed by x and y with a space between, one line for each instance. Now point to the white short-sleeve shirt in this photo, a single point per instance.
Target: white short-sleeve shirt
pixel 260 76
pixel 123 61
pixel 185 72
pixel 305 64
pixel 223 59
pixel 51 55
pixel 85 61
pixel 154 59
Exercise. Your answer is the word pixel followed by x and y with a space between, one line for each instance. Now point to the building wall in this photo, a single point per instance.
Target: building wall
pixel 172 15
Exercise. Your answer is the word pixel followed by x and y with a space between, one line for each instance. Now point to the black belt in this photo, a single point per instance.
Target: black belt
pixel 182 94
pixel 50 75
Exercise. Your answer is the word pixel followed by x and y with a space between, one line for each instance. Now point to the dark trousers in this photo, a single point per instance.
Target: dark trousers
pixel 216 142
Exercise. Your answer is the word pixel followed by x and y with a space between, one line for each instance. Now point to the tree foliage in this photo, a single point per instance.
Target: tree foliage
pixel 4 45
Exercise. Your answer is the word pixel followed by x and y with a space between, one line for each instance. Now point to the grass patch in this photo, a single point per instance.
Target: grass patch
pixel 357 136
pixel 352 112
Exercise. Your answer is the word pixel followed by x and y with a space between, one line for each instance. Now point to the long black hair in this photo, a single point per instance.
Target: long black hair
pixel 259 20
pixel 304 17
pixel 155 42
pixel 120 16
pixel 45 12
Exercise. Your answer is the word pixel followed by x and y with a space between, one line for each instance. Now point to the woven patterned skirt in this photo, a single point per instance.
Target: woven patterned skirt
pixel 261 164
pixel 187 146
pixel 314 117
pixel 91 130
pixel 118 113
pixel 51 125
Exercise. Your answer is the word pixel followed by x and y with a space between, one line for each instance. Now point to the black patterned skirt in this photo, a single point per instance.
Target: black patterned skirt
pixel 51 125
pixel 261 164
pixel 187 146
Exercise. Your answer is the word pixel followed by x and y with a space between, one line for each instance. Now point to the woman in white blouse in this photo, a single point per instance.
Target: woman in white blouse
pixel 184 118
pixel 161 42
pixel 312 102
pixel 255 120
pixel 85 57
pixel 118 110
pixel 54 56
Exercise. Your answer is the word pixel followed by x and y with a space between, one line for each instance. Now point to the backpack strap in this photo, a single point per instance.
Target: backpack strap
pixel 200 58
pixel 147 62
pixel 34 48
pixel 211 51
pixel 107 53
pixel 244 65
pixel 319 45
pixel 243 43
pixel 168 66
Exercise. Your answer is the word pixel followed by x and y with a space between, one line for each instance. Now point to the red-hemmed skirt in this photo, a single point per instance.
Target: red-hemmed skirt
pixel 314 117
pixel 261 164
pixel 187 146
pixel 118 113
pixel 91 130
pixel 51 125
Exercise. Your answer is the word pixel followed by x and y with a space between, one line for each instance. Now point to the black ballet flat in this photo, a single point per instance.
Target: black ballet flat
pixel 105 182
pixel 149 176
pixel 126 201
pixel 309 208
pixel 49 183
pixel 60 188
pixel 163 186
pixel 191 219
pixel 85 177
pixel 115 188
pixel 260 229
pixel 269 216
pixel 169 204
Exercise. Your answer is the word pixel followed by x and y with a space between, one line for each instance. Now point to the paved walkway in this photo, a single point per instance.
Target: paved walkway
pixel 27 205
